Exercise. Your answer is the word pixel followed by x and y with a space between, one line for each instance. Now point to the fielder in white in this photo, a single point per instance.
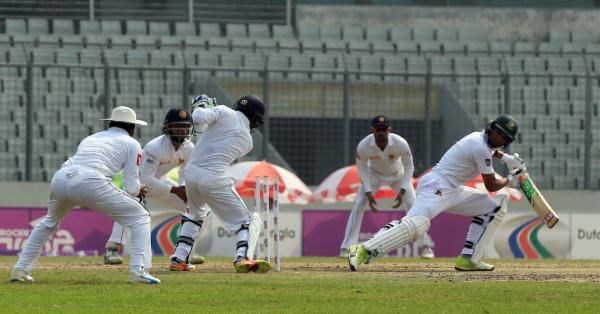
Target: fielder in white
pixel 165 152
pixel 382 158
pixel 86 180
pixel 226 138
pixel 443 190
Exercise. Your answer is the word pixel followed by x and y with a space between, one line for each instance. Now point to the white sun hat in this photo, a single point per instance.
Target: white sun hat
pixel 124 114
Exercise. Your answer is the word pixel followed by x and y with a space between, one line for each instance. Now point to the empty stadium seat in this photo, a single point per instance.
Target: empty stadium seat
pixel 37 26
pixel 235 30
pixel 185 29
pixel 63 27
pixel 158 28
pixel 309 32
pixel 136 28
pixel 16 26
pixel 283 32
pixel 110 28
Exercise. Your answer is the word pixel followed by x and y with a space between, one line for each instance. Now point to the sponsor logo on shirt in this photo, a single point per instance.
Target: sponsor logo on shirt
pixel 150 161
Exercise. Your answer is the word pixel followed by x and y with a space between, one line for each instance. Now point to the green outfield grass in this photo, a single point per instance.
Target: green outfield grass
pixel 83 284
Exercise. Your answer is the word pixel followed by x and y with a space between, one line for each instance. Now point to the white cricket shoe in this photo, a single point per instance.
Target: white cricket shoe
pixel 143 276
pixel 19 275
pixel 427 252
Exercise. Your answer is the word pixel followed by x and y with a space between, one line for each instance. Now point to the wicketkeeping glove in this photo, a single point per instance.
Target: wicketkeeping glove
pixel 203 101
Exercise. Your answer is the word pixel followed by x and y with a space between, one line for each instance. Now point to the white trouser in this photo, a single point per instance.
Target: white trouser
pixel 435 196
pixel 358 211
pixel 79 186
pixel 223 200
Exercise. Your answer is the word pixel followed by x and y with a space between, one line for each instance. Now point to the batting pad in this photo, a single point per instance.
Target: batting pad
pixel 490 230
pixel 408 230
pixel 253 234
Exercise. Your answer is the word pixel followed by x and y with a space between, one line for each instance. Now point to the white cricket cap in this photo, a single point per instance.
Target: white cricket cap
pixel 124 114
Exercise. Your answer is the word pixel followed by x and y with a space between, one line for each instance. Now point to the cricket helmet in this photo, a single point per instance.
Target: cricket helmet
pixel 175 120
pixel 253 108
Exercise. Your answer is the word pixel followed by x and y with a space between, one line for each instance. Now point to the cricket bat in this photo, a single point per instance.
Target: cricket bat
pixel 537 201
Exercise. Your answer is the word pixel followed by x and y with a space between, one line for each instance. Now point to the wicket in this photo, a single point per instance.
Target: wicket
pixel 268 228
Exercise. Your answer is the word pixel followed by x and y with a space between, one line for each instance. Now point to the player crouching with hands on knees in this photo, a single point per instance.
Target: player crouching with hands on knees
pixel 226 137
pixel 443 190
pixel 86 180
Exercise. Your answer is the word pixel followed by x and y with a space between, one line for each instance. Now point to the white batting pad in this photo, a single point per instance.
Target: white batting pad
pixel 393 238
pixel 253 234
pixel 490 230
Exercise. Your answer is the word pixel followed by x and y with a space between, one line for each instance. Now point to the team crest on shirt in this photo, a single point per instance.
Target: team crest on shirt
pixel 180 161
pixel 488 162
pixel 392 156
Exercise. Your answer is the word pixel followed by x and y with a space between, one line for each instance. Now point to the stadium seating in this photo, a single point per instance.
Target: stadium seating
pixel 546 80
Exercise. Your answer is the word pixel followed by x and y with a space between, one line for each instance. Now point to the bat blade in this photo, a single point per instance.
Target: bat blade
pixel 539 204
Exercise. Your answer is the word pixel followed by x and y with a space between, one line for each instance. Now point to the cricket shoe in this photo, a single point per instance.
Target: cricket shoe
pixel 465 264
pixel 112 257
pixel 257 266
pixel 357 255
pixel 19 275
pixel 143 276
pixel 179 265
pixel 344 253
pixel 426 252
pixel 196 259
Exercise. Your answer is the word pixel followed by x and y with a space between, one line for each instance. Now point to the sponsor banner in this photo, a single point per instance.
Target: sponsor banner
pixel 83 232
pixel 585 236
pixel 323 232
pixel 216 240
pixel 526 236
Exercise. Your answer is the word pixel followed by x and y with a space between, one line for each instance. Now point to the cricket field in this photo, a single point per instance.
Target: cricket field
pixel 306 285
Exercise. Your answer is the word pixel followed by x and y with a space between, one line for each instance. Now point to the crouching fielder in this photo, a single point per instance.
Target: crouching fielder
pixel 443 190
pixel 225 139
pixel 86 180
pixel 165 152
pixel 382 158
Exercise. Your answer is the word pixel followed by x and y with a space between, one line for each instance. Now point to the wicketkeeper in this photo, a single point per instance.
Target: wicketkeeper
pixel 162 154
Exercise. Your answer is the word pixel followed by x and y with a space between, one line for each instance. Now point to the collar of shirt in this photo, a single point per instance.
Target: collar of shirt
pixel 244 119
pixel 389 143
pixel 486 140
pixel 117 130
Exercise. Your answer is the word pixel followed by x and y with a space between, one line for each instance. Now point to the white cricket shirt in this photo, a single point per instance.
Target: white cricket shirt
pixel 392 164
pixel 109 152
pixel 226 138
pixel 465 160
pixel 158 158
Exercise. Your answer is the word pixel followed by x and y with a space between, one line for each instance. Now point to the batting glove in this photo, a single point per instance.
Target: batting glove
pixel 513 162
pixel 203 101
pixel 513 181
